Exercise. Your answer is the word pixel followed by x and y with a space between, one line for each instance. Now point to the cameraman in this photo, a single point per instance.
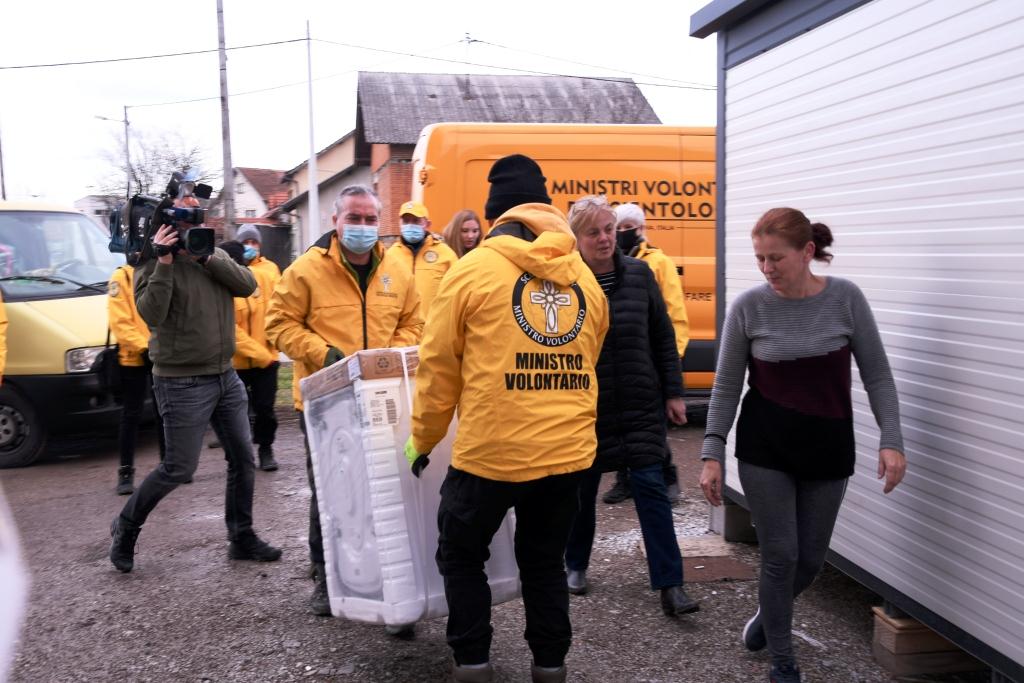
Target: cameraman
pixel 187 301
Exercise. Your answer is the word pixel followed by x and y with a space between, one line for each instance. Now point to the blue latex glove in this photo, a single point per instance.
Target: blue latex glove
pixel 417 461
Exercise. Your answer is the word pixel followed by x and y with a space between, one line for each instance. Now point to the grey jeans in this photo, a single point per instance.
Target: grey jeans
pixel 187 405
pixel 794 519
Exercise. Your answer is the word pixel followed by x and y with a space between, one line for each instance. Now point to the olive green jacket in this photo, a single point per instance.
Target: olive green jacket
pixel 190 310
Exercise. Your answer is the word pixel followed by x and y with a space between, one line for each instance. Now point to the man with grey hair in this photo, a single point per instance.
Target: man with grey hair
pixel 344 294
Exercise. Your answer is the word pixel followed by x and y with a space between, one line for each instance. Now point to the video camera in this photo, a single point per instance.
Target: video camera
pixel 133 224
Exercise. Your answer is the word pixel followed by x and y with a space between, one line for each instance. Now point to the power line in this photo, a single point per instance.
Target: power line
pixel 135 59
pixel 282 85
pixel 516 69
pixel 592 66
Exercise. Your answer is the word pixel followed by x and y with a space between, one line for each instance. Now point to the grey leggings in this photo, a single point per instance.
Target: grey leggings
pixel 794 520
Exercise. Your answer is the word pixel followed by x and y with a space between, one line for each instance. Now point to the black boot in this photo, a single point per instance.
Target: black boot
pixel 319 602
pixel 621 491
pixel 674 600
pixel 125 480
pixel 122 546
pixel 267 462
pixel 252 547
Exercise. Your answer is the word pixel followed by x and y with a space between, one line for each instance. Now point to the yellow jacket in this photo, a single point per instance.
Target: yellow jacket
pixel 512 341
pixel 318 304
pixel 3 339
pixel 430 264
pixel 671 289
pixel 262 263
pixel 252 349
pixel 126 325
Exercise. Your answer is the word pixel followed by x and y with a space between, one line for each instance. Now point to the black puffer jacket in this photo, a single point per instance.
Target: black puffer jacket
pixel 638 370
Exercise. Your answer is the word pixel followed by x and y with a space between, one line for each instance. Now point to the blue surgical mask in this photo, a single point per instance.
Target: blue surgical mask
pixel 250 253
pixel 411 232
pixel 359 238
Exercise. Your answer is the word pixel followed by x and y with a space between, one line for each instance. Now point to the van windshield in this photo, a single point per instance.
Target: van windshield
pixel 50 254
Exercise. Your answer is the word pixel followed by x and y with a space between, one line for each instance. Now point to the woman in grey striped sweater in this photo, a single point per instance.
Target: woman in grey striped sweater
pixel 794 439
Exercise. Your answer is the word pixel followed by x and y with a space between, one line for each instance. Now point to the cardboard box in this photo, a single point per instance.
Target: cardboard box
pixel 368 364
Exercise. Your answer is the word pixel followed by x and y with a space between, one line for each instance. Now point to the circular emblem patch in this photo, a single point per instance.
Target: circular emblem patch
pixel 430 256
pixel 547 313
pixel 114 289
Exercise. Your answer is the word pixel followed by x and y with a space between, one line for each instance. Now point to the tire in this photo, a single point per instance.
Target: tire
pixel 22 438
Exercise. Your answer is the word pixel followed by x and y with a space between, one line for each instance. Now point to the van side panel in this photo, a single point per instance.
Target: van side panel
pixel 668 171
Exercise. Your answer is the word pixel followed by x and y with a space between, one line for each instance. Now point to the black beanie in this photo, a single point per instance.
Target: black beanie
pixel 514 180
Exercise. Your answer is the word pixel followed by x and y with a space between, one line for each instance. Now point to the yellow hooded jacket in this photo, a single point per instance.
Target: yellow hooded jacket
pixel 252 349
pixel 318 304
pixel 512 341
pixel 430 264
pixel 671 290
pixel 126 325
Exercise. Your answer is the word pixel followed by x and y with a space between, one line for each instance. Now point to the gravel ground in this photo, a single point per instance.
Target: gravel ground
pixel 187 613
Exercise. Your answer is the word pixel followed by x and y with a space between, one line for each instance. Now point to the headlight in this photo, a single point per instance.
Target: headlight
pixel 81 360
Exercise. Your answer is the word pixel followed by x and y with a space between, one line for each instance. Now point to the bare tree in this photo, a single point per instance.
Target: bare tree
pixel 154 157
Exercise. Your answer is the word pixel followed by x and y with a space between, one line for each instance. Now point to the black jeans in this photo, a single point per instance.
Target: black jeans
pixel 471 510
pixel 188 404
pixel 316 534
pixel 136 384
pixel 261 385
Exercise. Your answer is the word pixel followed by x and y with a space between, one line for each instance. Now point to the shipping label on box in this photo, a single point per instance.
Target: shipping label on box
pixel 378 407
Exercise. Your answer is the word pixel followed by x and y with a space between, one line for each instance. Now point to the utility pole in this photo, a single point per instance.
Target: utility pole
pixel 228 193
pixel 127 159
pixel 127 154
pixel 311 230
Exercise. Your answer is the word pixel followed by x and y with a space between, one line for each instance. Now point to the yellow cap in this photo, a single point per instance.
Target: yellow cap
pixel 414 208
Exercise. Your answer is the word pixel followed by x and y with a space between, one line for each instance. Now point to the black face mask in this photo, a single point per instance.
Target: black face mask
pixel 627 239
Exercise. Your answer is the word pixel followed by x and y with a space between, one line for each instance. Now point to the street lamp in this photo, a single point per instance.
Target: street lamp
pixel 127 158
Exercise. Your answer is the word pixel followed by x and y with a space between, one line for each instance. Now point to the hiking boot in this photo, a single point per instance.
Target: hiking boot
pixel 619 492
pixel 267 462
pixel 577 581
pixel 675 601
pixel 319 602
pixel 753 633
pixel 547 674
pixel 123 535
pixel 472 673
pixel 125 480
pixel 252 547
pixel 784 673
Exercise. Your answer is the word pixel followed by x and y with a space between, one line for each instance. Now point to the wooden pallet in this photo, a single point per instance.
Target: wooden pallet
pixel 905 646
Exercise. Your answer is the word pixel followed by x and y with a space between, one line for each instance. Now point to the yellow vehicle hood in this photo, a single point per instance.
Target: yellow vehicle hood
pixel 41 332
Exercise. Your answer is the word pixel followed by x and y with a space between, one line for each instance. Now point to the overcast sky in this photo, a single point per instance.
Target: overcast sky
pixel 54 147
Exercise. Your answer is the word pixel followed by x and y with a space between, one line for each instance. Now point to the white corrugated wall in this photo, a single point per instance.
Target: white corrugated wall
pixel 901 126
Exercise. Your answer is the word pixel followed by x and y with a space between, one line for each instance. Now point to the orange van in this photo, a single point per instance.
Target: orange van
pixel 668 171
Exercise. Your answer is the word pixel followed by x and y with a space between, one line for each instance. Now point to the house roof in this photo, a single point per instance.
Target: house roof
pixel 269 184
pixel 395 107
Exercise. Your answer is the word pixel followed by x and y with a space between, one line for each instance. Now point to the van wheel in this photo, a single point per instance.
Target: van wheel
pixel 21 434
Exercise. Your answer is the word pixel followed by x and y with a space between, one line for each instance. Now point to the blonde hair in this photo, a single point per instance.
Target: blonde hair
pixel 587 208
pixel 453 231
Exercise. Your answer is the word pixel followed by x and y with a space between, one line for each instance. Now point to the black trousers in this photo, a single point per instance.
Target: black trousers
pixel 136 385
pixel 316 534
pixel 261 385
pixel 470 513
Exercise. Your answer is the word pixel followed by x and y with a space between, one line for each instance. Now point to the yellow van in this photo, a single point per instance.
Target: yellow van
pixel 668 171
pixel 54 268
